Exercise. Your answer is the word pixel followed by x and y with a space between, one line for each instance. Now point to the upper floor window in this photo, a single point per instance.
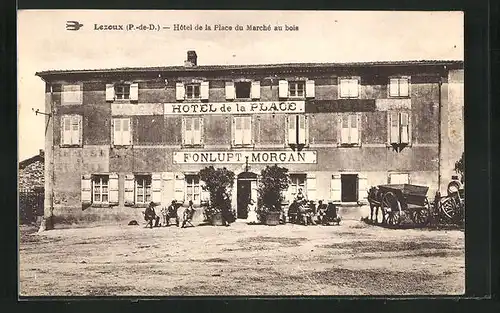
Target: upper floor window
pixel 122 91
pixel 296 89
pixel 192 91
pixel 71 130
pixel 399 87
pixel 242 90
pixel 122 134
pixel 349 88
pixel 192 130
pixel 71 94
pixel 297 129
pixel 399 131
pixel 242 130
pixel 349 134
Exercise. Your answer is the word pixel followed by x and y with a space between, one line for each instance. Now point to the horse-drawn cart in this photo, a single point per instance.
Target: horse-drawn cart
pixel 397 201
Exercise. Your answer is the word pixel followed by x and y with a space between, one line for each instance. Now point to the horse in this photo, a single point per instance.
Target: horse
pixel 375 201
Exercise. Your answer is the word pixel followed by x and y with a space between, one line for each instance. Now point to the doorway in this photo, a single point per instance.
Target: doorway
pixel 245 190
pixel 349 187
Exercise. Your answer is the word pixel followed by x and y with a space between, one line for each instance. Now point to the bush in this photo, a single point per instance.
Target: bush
pixel 273 181
pixel 219 183
pixel 460 167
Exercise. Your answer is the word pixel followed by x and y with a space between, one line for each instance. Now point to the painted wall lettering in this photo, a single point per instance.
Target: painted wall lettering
pixel 195 157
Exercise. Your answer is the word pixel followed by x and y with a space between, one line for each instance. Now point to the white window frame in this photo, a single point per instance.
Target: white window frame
pixel 71 94
pixel 295 184
pixel 190 91
pixel 74 135
pixel 399 126
pixel 293 89
pixel 291 132
pixel 142 190
pixel 395 82
pixel 98 182
pixel 192 182
pixel 192 137
pixel 121 92
pixel 120 141
pixel 248 132
pixel 352 132
pixel 349 87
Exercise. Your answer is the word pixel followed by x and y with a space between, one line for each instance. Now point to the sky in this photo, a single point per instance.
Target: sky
pixel 320 36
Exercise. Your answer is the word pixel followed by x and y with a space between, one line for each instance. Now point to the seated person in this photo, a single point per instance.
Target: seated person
pixel 150 216
pixel 331 214
pixel 321 211
pixel 300 198
pixel 172 213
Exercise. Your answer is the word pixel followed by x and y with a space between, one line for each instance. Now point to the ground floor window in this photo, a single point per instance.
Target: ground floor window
pixel 297 181
pixel 142 189
pixel 100 192
pixel 193 188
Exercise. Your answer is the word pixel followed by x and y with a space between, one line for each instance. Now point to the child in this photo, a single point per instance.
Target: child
pixel 252 213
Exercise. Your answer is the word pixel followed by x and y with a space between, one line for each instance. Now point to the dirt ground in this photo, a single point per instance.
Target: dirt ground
pixel 350 259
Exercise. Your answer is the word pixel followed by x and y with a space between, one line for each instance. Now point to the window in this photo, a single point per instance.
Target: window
pixel 71 130
pixel 71 94
pixel 193 91
pixel 100 190
pixel 242 90
pixel 122 92
pixel 242 134
pixel 121 132
pixel 399 128
pixel 296 89
pixel 399 178
pixel 142 189
pixel 349 134
pixel 193 127
pixel 297 129
pixel 399 87
pixel 297 181
pixel 193 188
pixel 349 88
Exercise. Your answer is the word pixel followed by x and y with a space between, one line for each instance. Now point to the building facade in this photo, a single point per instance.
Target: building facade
pixel 120 138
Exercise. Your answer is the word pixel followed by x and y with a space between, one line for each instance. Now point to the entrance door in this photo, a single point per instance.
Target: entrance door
pixel 349 187
pixel 243 193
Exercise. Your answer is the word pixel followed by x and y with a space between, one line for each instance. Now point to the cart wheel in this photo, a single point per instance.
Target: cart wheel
pixel 449 208
pixel 391 209
pixel 420 216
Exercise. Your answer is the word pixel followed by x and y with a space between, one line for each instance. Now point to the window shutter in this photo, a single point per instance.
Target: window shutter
pixel 129 190
pixel 113 189
pixel 404 127
pixel 126 132
pixel 255 91
pixel 156 188
pixel 283 89
pixel 394 127
pixel 117 137
pixel 306 132
pixel 310 88
pixel 202 130
pixel 86 189
pixel 196 129
pixel 179 187
pixel 362 188
pixel 110 92
pixel 183 132
pixel 66 130
pixel 75 130
pixel 236 130
pixel 179 91
pixel 345 129
pixel 335 188
pixel 354 129
pixel 246 130
pixel 311 186
pixel 404 87
pixel 230 92
pixel 204 86
pixel 134 92
pixel 393 87
pixel 292 131
pixel 302 129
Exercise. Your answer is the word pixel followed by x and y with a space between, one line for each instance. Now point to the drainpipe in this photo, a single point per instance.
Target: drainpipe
pixel 439 132
pixel 47 222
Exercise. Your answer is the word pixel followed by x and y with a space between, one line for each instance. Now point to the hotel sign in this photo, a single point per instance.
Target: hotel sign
pixel 236 157
pixel 235 107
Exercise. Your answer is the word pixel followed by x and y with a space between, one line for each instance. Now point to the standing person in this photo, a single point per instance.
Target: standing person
pixel 252 213
pixel 164 216
pixel 187 214
pixel 301 199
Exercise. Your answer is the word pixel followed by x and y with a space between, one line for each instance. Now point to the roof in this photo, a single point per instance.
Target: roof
pixel 33 159
pixel 209 68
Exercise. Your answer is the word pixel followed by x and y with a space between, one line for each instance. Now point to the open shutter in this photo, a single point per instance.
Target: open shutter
pixel 292 130
pixel 204 86
pixel 247 130
pixel 393 127
pixel 179 187
pixel 302 129
pixel 117 134
pixel 129 190
pixel 310 88
pixel 126 132
pixel 202 130
pixel 237 130
pixel 80 130
pixel 255 91
pixel 311 186
pixel 156 188
pixel 230 93
pixel 283 89
pixel 362 188
pixel 335 188
pixel 86 189
pixel 354 129
pixel 184 129
pixel 110 92
pixel 345 130
pixel 179 91
pixel 66 130
pixel 113 189
pixel 404 127
pixel 196 130
pixel 134 92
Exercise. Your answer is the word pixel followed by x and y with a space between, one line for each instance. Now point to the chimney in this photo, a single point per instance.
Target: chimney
pixel 41 153
pixel 191 58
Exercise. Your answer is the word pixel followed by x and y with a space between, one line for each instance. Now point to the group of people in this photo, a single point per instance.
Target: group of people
pixel 168 213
